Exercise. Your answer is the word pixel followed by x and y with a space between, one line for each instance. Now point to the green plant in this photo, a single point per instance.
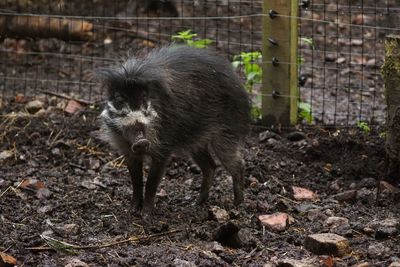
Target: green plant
pixel 251 68
pixel 188 37
pixel 253 73
pixel 363 126
pixel 305 112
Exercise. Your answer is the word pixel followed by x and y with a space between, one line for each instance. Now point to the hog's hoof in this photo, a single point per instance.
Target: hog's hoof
pixel 238 200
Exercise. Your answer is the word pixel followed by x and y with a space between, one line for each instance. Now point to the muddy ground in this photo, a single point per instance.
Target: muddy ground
pixel 57 180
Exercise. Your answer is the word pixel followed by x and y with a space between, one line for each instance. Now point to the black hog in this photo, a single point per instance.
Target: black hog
pixel 176 98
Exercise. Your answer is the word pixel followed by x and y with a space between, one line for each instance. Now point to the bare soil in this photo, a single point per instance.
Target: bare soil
pixel 87 190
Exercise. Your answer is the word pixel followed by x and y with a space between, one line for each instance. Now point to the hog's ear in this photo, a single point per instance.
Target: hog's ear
pixel 158 88
pixel 110 78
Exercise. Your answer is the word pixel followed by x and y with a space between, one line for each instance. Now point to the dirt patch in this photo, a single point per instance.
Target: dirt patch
pixel 87 201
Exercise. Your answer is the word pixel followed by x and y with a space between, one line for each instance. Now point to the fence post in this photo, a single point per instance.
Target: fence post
pixel 280 82
pixel 391 76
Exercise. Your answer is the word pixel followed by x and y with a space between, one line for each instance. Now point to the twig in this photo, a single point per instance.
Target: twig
pixel 10 187
pixel 131 239
pixel 80 101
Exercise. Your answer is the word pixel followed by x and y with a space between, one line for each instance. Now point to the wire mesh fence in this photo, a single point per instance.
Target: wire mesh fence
pixel 341 46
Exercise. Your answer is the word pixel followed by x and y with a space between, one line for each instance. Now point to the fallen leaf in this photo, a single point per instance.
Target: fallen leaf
pixel 32 184
pixel 7 260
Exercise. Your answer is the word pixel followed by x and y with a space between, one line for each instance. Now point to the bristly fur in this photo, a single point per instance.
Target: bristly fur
pixel 195 92
pixel 176 98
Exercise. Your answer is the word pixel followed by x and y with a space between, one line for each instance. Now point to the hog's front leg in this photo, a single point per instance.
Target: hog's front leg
pixel 135 167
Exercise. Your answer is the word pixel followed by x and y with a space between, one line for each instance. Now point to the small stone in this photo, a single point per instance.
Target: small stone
pixel 162 193
pixel 34 106
pixel 300 193
pixel 72 107
pixel 215 247
pixel 376 250
pixel 334 222
pixel 297 263
pixel 304 207
pixel 334 186
pixel 195 169
pixel 327 243
pixel 76 263
pixel 219 214
pixel 368 230
pixel 6 154
pixel 67 229
pixel 316 215
pixel 367 182
pixel 45 209
pixel 296 136
pixel 43 193
pixel 56 151
pixel 385 186
pixel 363 264
pixel 265 136
pixel 349 195
pixel 385 228
pixel 395 264
pixel 275 222
pixel 183 263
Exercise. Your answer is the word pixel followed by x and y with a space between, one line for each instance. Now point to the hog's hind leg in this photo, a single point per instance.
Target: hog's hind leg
pixel 207 165
pixel 232 160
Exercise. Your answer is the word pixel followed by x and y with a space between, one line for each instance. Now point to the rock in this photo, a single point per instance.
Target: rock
pixel 247 239
pixel 275 222
pixel 67 229
pixel 316 215
pixel 385 186
pixel 327 243
pixel 219 214
pixel 264 136
pixel 296 136
pixel 6 154
pixel 183 263
pixel 297 263
pixel 335 186
pixel 72 107
pixel 334 222
pixel 386 228
pixel 162 193
pixel 377 250
pixel 349 195
pixel 215 247
pixel 43 193
pixel 368 230
pixel 7 260
pixel 300 193
pixel 45 209
pixel 34 106
pixel 305 207
pixel 76 263
pixel 195 169
pixel 395 264
pixel 367 182
pixel 363 264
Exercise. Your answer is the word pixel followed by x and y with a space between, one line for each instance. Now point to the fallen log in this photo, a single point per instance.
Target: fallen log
pixel 23 26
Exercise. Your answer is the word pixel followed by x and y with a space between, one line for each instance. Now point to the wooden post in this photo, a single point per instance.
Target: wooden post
pixel 280 82
pixel 391 76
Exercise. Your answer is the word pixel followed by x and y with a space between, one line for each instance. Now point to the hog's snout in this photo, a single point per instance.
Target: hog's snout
pixel 141 146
